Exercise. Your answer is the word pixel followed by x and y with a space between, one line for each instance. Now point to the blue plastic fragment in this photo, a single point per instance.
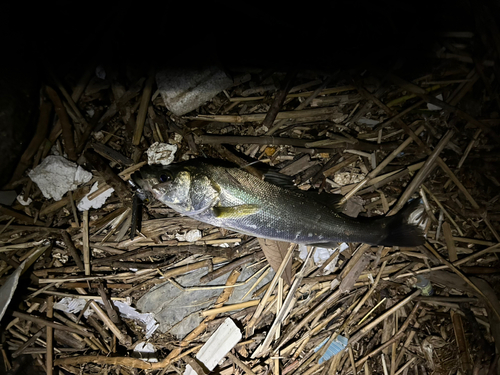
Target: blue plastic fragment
pixel 335 347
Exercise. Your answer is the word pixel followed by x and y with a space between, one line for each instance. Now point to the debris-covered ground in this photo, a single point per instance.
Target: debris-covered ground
pixel 95 281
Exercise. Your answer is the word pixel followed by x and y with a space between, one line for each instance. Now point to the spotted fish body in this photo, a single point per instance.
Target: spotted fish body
pixel 237 200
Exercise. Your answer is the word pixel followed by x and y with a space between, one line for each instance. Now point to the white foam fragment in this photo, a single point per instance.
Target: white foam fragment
pixel 75 305
pixel 161 153
pixel 146 351
pixel 190 236
pixel 432 107
pixel 55 176
pixel 218 345
pixel 86 204
pixel 27 202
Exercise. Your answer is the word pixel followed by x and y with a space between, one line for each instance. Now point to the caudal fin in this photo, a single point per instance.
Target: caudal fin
pixel 399 231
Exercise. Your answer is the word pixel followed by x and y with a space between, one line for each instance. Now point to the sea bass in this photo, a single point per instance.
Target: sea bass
pixel 231 198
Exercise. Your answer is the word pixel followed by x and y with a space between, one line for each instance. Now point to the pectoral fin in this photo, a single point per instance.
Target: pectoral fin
pixel 236 211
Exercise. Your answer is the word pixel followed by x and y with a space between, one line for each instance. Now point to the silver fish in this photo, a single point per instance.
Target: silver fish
pixel 234 199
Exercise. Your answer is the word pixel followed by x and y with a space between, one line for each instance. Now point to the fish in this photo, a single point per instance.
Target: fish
pixel 228 196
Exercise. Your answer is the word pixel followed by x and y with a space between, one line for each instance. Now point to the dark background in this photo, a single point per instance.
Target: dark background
pixel 322 36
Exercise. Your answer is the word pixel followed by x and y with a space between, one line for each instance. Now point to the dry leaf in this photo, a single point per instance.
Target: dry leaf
pixel 275 251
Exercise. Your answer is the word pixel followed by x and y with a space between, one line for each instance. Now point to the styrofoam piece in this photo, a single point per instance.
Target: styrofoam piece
pixel 86 204
pixel 24 202
pixel 145 351
pixel 191 236
pixel 218 345
pixel 335 347
pixel 55 176
pixel 161 153
pixel 185 89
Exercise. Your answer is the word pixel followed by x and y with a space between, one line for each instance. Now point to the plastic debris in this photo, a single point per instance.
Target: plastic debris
pixel 321 255
pixel 7 197
pixel 432 107
pixel 9 287
pixel 184 90
pixel 161 153
pixel 335 347
pixel 218 345
pixel 86 204
pixel 55 176
pixel 177 311
pixel 145 351
pixel 368 121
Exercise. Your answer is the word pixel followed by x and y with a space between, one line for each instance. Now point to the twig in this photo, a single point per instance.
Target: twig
pixel 381 166
pixel 143 108
pixel 124 339
pixel 67 131
pixel 48 323
pixel 363 331
pixel 466 279
pixel 270 289
pixel 50 337
pixel 240 363
pixel 72 250
pixel 86 247
pixel 422 173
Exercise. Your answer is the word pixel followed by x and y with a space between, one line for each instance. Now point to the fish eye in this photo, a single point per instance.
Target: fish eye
pixel 165 177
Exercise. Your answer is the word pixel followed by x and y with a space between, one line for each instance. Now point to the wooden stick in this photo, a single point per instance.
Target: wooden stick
pixel 236 306
pixel 50 337
pixel 143 108
pixel 422 173
pixel 48 323
pixel 466 279
pixel 381 166
pixel 452 251
pixel 122 361
pixel 447 107
pixel 240 363
pixel 28 343
pixel 86 247
pixel 67 131
pixel 461 340
pixel 363 331
pixel 124 339
pixel 270 289
pixel 279 99
pixel 257 117
pixel 72 249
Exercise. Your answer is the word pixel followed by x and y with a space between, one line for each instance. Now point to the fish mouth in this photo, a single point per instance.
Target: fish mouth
pixel 141 186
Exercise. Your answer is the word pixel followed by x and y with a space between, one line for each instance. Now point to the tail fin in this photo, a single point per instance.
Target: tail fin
pixel 399 231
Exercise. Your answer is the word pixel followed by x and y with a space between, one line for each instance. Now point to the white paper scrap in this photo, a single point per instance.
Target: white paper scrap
pixel 55 176
pixel 86 204
pixel 218 345
pixel 161 153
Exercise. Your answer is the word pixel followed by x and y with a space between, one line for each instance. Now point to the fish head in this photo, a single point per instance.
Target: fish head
pixel 183 188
